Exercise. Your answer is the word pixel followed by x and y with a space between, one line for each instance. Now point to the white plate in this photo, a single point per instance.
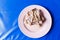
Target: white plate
pixel 45 28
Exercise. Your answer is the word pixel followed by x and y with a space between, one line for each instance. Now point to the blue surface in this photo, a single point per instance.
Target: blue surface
pixel 9 12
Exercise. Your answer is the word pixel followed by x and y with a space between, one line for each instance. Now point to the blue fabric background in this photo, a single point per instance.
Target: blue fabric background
pixel 12 8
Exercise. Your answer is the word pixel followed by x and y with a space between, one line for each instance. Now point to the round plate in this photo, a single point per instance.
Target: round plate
pixel 45 28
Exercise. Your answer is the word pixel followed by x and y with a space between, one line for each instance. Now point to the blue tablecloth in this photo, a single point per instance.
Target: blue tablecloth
pixel 10 10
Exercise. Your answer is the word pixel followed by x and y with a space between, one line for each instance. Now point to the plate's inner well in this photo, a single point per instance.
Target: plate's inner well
pixel 34 19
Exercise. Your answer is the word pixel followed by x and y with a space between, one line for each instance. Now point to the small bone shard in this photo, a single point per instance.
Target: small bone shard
pixel 42 18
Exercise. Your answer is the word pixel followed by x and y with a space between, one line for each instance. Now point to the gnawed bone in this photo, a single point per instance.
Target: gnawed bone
pixel 35 16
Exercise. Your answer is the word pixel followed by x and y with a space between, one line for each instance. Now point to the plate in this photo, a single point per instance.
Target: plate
pixel 43 30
